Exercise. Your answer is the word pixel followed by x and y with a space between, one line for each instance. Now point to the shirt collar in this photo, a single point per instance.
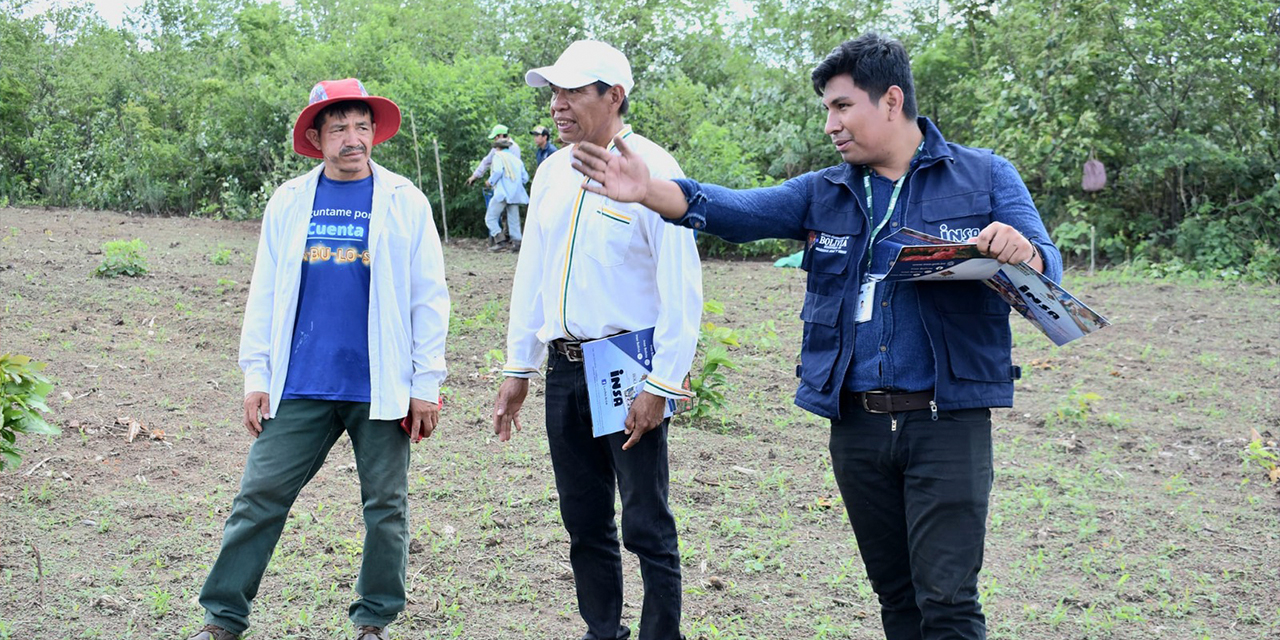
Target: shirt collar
pixel 624 133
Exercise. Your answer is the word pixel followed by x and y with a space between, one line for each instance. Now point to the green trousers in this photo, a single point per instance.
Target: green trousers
pixel 287 454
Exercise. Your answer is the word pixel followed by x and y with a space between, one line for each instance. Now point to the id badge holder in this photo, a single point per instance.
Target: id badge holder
pixel 866 301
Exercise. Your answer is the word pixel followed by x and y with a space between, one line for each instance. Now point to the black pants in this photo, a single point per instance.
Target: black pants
pixel 587 470
pixel 917 498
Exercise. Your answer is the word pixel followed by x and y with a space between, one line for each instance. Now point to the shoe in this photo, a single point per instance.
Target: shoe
pixel 515 246
pixel 367 632
pixel 214 632
pixel 498 242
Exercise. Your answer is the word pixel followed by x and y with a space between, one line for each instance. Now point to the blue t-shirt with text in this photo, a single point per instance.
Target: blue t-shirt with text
pixel 329 357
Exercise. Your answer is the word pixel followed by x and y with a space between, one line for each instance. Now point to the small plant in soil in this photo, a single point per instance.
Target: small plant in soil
pixel 221 257
pixel 121 258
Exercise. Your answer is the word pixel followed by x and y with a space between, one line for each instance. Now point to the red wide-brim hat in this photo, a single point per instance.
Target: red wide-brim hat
pixel 386 115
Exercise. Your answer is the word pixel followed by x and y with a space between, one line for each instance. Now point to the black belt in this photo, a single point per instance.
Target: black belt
pixel 880 401
pixel 570 349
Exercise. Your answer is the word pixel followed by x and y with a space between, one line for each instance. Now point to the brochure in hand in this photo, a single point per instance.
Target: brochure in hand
pixel 911 255
pixel 616 368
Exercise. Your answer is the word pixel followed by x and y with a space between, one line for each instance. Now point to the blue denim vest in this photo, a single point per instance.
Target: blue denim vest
pixel 967 322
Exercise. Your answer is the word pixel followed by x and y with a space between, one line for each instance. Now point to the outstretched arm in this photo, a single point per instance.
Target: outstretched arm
pixel 625 178
pixel 737 215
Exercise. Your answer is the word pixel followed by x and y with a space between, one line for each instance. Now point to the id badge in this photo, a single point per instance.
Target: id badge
pixel 866 301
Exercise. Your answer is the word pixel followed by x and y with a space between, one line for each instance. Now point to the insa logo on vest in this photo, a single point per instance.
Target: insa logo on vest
pixel 964 234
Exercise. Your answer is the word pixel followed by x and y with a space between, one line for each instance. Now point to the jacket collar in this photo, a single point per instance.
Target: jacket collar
pixel 935 146
pixel 382 178
pixel 935 150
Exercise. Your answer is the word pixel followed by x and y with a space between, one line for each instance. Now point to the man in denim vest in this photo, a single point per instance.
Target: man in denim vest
pixel 908 384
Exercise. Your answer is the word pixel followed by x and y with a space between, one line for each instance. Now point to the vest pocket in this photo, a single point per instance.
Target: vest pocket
pixel 957 218
pixel 827 254
pixel 978 346
pixel 821 345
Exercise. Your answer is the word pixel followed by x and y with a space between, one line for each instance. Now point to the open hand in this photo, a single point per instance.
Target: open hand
pixel 622 178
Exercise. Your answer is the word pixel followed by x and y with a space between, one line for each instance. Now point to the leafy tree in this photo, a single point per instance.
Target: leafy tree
pixel 187 107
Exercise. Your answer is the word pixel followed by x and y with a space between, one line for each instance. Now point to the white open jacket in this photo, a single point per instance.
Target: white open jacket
pixel 408 301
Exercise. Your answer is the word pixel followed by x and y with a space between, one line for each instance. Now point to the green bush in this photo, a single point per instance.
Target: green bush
pixel 1181 141
pixel 120 258
pixel 22 395
pixel 769 248
pixel 1211 243
pixel 1264 266
pixel 1072 238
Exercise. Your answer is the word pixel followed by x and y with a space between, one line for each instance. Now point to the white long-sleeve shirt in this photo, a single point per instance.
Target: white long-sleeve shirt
pixel 590 267
pixel 408 300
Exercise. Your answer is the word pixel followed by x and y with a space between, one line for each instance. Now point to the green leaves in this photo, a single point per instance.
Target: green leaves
pixel 121 258
pixel 1179 101
pixel 711 383
pixel 22 393
pixel 188 107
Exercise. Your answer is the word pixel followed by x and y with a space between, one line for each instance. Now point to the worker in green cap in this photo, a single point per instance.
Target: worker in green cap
pixel 496 134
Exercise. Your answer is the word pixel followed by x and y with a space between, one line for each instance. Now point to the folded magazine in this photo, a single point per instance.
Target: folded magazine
pixel 616 368
pixel 910 255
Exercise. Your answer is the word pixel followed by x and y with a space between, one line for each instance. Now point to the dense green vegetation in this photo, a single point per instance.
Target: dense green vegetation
pixel 186 108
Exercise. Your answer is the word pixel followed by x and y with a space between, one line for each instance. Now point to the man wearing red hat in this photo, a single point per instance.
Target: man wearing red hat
pixel 343 331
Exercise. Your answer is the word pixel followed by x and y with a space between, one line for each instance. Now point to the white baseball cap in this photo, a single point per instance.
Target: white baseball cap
pixel 584 62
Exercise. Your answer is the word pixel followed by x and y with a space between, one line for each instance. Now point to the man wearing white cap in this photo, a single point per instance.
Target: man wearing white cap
pixel 343 331
pixel 591 268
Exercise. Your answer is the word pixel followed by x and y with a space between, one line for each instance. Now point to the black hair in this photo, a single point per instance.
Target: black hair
pixel 602 88
pixel 875 63
pixel 340 109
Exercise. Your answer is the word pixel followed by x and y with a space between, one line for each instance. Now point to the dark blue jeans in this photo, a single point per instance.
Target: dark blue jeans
pixel 917 499
pixel 587 469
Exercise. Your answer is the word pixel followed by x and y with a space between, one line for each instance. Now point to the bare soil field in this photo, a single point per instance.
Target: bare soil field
pixel 1127 503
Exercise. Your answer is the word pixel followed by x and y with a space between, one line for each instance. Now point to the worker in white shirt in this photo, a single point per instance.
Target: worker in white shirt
pixel 344 333
pixel 591 268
